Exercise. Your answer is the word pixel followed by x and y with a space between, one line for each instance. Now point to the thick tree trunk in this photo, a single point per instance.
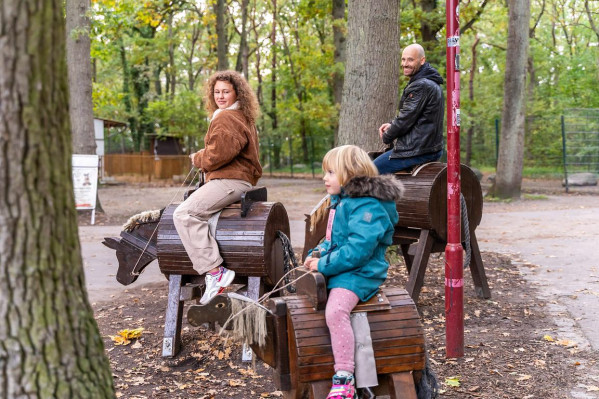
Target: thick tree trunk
pixel 50 344
pixel 221 34
pixel 80 77
pixel 508 181
pixel 371 72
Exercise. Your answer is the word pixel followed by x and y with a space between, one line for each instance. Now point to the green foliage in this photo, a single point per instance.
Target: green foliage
pixel 181 117
pixel 151 59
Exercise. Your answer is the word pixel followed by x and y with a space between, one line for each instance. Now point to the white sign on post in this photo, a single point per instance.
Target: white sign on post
pixel 85 182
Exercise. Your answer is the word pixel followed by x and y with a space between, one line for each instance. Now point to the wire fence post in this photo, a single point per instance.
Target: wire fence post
pixel 312 156
pixel 496 141
pixel 270 148
pixel 564 151
pixel 290 140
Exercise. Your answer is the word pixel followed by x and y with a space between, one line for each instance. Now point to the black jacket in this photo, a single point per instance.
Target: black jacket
pixel 419 126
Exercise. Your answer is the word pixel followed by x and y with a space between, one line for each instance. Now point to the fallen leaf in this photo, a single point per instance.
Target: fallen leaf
pixel 125 336
pixel 453 381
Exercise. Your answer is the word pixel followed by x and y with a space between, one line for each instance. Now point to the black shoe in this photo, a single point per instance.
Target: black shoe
pixel 366 393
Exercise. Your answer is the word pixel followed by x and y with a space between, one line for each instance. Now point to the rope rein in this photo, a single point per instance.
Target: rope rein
pixel 289 260
pixel 466 227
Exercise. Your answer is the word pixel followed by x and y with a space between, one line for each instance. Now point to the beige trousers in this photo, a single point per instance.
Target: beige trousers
pixel 191 220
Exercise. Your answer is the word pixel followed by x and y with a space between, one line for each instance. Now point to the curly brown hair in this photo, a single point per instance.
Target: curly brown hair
pixel 248 102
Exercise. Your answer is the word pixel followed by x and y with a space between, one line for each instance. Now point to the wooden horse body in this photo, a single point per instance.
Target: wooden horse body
pixel 298 343
pixel 249 238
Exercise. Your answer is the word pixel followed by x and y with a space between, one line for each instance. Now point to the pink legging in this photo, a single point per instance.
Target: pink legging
pixel 339 305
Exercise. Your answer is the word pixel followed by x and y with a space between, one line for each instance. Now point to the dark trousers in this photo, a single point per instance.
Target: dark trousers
pixel 385 164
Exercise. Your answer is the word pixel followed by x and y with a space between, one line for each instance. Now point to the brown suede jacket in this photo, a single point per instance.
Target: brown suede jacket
pixel 231 149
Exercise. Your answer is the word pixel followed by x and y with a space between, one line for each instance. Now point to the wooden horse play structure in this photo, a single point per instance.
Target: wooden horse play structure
pixel 298 344
pixel 422 226
pixel 250 234
pixel 251 237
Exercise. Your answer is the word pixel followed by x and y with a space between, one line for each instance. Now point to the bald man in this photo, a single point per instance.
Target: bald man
pixel 418 128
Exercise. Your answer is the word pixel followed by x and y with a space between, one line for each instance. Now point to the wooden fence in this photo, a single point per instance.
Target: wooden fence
pixel 148 166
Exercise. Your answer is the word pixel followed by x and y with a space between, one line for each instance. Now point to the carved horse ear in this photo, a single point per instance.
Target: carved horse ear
pixel 217 310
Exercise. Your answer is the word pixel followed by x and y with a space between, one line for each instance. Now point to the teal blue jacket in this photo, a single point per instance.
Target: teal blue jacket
pixel 363 228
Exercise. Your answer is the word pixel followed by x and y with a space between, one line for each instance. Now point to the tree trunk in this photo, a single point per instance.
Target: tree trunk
pixel 221 34
pixel 339 27
pixel 172 69
pixel 242 57
pixel 133 126
pixel 470 132
pixel 276 158
pixel 80 73
pixel 80 77
pixel 371 72
pixel 508 181
pixel 339 56
pixel 51 346
pixel 427 30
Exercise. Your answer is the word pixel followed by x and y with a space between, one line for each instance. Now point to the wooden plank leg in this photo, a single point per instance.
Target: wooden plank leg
pixel 407 257
pixel 252 293
pixel 479 277
pixel 401 386
pixel 423 251
pixel 171 343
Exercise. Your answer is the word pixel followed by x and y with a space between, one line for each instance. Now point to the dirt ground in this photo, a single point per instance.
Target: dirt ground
pixel 510 350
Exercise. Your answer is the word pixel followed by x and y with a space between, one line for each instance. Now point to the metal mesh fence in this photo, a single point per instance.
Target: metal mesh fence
pixel 581 140
pixel 292 156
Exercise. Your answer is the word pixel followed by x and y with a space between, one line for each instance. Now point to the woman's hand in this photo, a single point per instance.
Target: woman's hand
pixel 311 264
pixel 196 159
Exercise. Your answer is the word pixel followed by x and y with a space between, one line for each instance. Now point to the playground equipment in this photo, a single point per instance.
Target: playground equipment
pixel 249 234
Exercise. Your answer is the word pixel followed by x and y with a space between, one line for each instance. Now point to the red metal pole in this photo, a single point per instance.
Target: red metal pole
pixel 454 273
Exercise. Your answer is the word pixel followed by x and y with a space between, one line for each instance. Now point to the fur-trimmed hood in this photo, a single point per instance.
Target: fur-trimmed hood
pixel 383 187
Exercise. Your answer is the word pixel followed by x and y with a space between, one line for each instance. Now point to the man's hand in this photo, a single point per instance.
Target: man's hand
pixel 384 127
pixel 311 264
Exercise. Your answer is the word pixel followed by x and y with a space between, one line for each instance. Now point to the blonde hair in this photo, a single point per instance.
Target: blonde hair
pixel 248 102
pixel 348 161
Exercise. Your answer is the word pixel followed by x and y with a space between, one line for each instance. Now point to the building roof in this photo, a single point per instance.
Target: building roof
pixel 112 123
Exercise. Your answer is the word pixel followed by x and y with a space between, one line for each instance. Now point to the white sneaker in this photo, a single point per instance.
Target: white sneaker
pixel 216 284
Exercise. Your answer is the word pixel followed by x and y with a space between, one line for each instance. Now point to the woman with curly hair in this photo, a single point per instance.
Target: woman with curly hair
pixel 230 161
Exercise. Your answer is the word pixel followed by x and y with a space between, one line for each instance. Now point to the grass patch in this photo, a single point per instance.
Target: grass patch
pixel 489 198
pixel 543 172
pixel 534 197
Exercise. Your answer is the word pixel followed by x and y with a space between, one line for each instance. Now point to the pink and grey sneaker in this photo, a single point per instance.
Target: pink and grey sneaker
pixel 343 388
pixel 216 283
